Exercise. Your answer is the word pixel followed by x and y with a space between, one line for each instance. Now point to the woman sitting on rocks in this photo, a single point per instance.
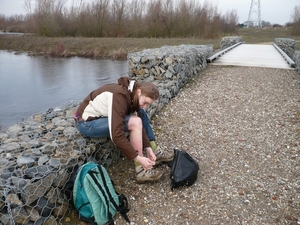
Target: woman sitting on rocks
pixel 111 111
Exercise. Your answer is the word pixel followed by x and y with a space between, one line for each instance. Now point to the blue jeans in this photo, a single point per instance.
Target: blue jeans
pixel 99 128
pixel 146 125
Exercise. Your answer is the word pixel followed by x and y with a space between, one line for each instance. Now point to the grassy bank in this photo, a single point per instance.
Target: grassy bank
pixel 118 48
pixel 256 36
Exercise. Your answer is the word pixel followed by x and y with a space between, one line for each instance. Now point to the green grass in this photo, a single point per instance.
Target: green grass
pixel 256 36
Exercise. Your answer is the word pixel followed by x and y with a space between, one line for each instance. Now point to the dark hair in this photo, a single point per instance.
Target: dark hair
pixel 148 89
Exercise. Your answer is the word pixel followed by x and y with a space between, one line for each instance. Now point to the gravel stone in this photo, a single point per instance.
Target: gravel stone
pixel 242 126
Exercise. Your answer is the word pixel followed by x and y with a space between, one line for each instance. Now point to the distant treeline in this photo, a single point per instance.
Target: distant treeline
pixel 123 18
pixel 128 18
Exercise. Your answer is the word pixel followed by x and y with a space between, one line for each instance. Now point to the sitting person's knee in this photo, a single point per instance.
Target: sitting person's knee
pixel 135 122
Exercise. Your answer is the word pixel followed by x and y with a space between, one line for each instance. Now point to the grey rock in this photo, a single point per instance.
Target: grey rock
pixel 23 160
pixel 11 147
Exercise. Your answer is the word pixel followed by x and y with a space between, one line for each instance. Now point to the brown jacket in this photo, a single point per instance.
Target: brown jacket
pixel 112 101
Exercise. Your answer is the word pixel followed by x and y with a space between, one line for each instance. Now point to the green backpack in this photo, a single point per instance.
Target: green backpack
pixel 95 198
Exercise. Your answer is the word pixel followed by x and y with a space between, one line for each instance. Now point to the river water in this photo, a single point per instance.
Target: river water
pixel 30 85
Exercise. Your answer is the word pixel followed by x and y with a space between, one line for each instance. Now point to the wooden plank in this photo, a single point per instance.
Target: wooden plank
pixel 254 56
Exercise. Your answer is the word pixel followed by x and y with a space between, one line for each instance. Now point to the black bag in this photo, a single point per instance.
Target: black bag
pixel 184 169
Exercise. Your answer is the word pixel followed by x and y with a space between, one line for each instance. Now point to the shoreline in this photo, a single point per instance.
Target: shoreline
pixel 95 48
pixel 119 48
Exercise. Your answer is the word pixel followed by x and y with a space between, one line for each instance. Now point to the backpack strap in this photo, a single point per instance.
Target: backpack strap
pixel 91 173
pixel 78 182
pixel 91 220
pixel 123 207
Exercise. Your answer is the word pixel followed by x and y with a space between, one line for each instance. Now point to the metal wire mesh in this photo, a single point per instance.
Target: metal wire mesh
pixel 38 165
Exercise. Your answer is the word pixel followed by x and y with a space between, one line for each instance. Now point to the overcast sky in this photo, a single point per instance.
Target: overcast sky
pixel 273 11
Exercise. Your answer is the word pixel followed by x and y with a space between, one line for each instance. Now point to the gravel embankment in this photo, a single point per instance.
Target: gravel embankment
pixel 242 125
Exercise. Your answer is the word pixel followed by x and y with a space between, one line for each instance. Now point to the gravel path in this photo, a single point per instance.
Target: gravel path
pixel 242 125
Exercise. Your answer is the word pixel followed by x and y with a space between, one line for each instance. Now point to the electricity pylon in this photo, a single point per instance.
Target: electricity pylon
pixel 254 18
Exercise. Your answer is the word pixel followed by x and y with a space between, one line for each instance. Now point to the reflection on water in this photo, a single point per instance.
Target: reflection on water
pixel 30 85
pixel 13 33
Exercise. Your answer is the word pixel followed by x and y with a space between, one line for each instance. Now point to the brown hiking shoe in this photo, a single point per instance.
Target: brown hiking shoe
pixel 163 156
pixel 143 175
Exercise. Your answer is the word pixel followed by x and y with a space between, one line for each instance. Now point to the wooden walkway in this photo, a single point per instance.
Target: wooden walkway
pixel 253 55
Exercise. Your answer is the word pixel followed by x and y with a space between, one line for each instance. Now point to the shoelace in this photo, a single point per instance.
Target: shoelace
pixel 161 152
pixel 151 171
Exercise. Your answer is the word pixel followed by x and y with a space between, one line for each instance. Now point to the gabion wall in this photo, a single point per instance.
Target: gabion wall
pixel 296 59
pixel 40 156
pixel 287 45
pixel 229 41
pixel 169 67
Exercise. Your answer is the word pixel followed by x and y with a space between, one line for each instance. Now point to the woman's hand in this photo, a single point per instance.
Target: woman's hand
pixel 150 154
pixel 145 162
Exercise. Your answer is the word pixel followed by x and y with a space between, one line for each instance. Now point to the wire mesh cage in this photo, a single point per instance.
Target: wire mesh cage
pixel 39 160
